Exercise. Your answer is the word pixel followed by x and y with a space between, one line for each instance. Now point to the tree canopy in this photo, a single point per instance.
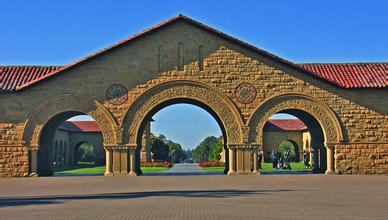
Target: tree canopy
pixel 86 153
pixel 208 149
pixel 288 145
pixel 167 150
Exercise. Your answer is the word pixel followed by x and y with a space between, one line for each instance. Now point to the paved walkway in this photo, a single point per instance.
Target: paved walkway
pixel 183 169
pixel 195 197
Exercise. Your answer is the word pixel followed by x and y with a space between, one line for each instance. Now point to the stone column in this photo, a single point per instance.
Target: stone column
pixel 243 159
pixel 34 162
pixel 108 163
pixel 232 160
pixel 330 159
pixel 255 149
pixel 132 161
pixel 145 153
pixel 120 160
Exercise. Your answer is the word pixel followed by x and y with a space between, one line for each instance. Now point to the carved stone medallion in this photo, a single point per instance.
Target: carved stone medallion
pixel 245 93
pixel 117 94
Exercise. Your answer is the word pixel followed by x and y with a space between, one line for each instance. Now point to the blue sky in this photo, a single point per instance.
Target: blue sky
pixel 59 32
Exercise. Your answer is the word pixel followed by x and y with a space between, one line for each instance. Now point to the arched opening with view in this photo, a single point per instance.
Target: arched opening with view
pixel 178 92
pixel 318 141
pixel 285 136
pixel 71 143
pixel 185 134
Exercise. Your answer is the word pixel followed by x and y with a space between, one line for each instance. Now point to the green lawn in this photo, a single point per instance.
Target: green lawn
pixel 213 169
pixel 153 169
pixel 93 169
pixel 266 167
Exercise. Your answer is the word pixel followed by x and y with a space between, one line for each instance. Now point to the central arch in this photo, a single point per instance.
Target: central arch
pixel 181 91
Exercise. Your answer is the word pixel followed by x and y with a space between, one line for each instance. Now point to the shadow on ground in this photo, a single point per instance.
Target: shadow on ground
pixel 58 199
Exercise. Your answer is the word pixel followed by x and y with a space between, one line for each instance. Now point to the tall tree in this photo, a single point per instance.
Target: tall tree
pixel 167 150
pixel 159 148
pixel 176 153
pixel 215 155
pixel 203 151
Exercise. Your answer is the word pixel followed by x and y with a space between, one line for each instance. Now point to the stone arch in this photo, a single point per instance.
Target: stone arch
pixel 325 116
pixel 177 92
pixel 68 103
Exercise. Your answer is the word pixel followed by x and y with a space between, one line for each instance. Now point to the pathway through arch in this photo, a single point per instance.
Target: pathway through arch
pixel 184 169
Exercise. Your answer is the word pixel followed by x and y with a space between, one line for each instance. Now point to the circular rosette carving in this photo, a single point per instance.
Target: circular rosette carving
pixel 245 93
pixel 117 94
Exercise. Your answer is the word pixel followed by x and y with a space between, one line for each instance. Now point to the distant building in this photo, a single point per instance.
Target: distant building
pixel 71 135
pixel 293 130
pixel 278 130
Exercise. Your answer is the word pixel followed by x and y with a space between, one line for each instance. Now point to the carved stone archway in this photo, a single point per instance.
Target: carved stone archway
pixel 328 121
pixel 74 105
pixel 180 91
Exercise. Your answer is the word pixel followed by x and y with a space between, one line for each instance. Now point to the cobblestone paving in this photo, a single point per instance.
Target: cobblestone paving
pixel 195 197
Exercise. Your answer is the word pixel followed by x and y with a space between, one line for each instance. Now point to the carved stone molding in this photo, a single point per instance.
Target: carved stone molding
pixel 183 91
pixel 69 103
pixel 243 146
pixel 322 113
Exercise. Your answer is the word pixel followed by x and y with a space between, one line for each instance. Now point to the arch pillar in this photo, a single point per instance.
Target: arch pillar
pixel 33 161
pixel 242 158
pixel 132 160
pixel 255 150
pixel 232 160
pixel 120 160
pixel 330 159
pixel 108 162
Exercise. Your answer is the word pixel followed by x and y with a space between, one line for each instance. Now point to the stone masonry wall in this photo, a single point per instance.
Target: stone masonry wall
pixel 362 112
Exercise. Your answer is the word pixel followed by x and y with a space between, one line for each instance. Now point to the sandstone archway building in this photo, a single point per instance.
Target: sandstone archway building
pixel 183 61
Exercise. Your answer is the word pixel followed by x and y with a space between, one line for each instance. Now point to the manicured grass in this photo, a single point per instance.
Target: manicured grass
pixel 295 167
pixel 84 170
pixel 153 169
pixel 93 169
pixel 266 167
pixel 214 169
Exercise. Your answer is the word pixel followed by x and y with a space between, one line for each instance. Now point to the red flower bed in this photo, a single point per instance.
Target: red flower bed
pixel 156 164
pixel 212 164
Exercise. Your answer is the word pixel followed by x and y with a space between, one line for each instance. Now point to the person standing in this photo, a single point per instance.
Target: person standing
pixel 259 159
pixel 274 159
pixel 306 160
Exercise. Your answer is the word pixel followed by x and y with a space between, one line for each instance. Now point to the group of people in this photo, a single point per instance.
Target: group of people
pixel 281 161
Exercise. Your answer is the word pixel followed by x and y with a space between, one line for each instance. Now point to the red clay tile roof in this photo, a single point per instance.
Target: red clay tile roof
pixel 13 76
pixel 80 126
pixel 15 82
pixel 284 125
pixel 352 75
